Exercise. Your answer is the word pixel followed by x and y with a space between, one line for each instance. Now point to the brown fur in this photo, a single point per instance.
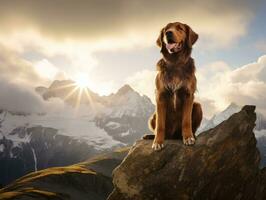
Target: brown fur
pixel 177 115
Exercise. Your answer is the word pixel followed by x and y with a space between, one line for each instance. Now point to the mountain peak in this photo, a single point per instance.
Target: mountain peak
pixel 125 89
pixel 232 105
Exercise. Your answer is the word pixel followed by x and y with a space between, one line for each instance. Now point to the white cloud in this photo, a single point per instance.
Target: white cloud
pixel 244 85
pixel 46 69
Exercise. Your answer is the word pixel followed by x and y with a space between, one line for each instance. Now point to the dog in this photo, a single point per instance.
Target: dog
pixel 177 116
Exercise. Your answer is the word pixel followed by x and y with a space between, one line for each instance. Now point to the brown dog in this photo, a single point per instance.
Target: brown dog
pixel 177 115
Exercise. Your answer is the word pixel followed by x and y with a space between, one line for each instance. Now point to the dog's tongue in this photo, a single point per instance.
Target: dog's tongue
pixel 170 46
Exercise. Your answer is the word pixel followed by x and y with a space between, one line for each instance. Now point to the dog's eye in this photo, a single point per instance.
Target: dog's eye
pixel 179 27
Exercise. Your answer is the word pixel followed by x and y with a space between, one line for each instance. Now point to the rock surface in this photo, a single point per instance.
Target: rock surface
pixel 90 180
pixel 224 164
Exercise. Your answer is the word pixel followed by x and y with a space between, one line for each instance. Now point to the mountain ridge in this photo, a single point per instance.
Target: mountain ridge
pixel 27 140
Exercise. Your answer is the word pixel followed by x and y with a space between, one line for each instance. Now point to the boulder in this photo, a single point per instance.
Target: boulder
pixel 223 164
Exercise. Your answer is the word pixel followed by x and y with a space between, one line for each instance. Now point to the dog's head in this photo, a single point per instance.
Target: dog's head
pixel 176 37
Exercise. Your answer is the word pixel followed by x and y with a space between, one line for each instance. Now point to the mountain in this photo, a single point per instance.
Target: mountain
pixel 34 141
pixel 28 149
pixel 260 122
pixel 225 114
pixel 219 117
pixel 122 115
pixel 207 170
pixel 90 180
pixel 68 91
pixel 126 115
pixel 223 164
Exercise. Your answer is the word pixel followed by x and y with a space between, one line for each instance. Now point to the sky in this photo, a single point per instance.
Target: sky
pixel 110 43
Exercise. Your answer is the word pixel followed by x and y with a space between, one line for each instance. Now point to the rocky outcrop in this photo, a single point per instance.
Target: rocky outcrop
pixel 90 180
pixel 224 164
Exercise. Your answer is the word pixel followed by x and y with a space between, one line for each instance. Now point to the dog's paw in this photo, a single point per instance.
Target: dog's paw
pixel 157 146
pixel 189 141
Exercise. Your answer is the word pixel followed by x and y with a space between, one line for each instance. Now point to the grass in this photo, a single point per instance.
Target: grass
pixel 31 177
pixel 32 192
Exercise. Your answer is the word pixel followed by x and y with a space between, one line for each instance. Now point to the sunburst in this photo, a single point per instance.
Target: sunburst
pixel 77 91
pixel 82 81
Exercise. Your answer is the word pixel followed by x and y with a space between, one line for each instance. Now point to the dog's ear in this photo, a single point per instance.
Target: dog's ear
pixel 159 41
pixel 192 37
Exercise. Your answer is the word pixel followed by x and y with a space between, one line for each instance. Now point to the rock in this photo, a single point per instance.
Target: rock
pixel 90 180
pixel 224 164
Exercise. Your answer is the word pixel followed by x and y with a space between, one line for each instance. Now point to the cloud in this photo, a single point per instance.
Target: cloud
pixel 15 68
pixel 124 23
pixel 68 36
pixel 208 106
pixel 244 85
pixel 218 85
pixel 143 82
pixel 19 98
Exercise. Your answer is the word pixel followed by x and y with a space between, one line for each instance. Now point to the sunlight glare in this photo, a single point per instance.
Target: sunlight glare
pixel 82 81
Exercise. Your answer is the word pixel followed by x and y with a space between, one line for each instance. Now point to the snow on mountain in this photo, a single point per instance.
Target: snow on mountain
pixel 81 128
pixel 219 117
pixel 86 125
pixel 101 121
pixel 126 108
pixel 127 102
pixel 125 115
pixel 224 115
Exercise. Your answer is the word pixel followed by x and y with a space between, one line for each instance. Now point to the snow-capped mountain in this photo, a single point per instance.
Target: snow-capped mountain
pixel 34 141
pixel 225 114
pixel 219 117
pixel 125 115
pixel 122 115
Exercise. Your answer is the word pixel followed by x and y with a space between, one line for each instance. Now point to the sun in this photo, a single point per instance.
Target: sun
pixel 82 81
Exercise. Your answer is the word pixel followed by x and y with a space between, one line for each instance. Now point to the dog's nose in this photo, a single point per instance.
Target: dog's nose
pixel 169 34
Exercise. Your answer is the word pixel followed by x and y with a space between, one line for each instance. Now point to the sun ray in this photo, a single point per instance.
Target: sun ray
pixel 82 81
pixel 91 103
pixel 78 99
pixel 70 93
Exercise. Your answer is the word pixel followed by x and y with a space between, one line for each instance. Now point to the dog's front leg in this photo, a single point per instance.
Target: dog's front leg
pixel 160 121
pixel 188 137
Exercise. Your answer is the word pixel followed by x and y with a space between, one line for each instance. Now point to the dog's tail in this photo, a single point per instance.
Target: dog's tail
pixel 152 124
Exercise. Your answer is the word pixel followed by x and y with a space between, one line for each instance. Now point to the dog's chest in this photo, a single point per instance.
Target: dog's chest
pixel 172 82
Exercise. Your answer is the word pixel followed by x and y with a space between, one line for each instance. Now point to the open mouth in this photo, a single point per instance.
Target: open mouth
pixel 174 47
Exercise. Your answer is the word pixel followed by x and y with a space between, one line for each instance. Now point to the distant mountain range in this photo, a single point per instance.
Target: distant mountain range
pixel 34 141
pixel 30 142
